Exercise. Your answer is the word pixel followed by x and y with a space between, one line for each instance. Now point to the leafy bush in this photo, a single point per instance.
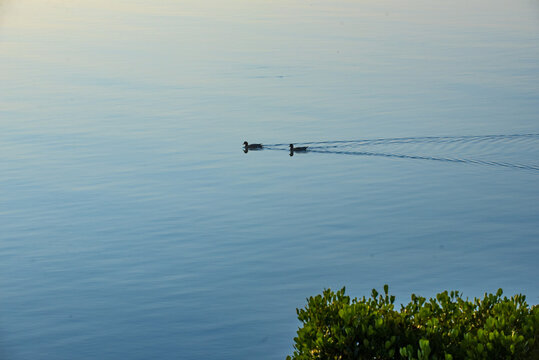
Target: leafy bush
pixel 445 327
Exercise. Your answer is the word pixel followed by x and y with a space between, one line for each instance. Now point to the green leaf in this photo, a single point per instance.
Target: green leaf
pixel 337 327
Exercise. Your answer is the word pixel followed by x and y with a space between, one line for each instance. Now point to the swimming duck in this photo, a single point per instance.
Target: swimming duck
pixel 298 149
pixel 252 146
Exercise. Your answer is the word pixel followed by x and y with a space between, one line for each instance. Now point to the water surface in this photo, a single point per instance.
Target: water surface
pixel 134 226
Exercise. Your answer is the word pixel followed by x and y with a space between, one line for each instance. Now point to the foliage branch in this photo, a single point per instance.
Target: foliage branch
pixel 336 327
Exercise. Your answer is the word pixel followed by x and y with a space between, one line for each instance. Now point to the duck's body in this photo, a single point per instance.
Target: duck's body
pixel 252 146
pixel 298 149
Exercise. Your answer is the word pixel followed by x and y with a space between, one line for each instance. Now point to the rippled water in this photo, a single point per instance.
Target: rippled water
pixel 513 148
pixel 133 225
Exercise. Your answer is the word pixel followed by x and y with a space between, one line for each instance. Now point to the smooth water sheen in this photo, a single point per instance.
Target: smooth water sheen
pixel 133 225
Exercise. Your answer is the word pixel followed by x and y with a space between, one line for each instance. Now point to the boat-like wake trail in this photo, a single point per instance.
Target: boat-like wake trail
pixel 517 151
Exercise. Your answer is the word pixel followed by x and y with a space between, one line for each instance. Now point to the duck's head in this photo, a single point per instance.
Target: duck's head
pixel 291 146
pixel 245 143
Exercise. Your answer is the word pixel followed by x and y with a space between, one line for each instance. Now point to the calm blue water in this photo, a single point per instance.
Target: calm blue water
pixel 133 226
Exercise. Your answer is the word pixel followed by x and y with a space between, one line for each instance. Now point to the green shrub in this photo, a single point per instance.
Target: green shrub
pixel 334 327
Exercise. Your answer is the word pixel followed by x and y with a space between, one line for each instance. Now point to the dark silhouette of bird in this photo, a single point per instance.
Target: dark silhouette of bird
pixel 252 146
pixel 298 149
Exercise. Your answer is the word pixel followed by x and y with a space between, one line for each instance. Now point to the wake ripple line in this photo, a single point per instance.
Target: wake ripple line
pixel 418 139
pixel 432 158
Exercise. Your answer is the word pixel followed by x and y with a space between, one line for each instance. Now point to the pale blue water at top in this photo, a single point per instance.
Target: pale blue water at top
pixel 133 226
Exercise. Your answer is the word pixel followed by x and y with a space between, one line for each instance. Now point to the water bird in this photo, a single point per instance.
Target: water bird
pixel 298 149
pixel 251 146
